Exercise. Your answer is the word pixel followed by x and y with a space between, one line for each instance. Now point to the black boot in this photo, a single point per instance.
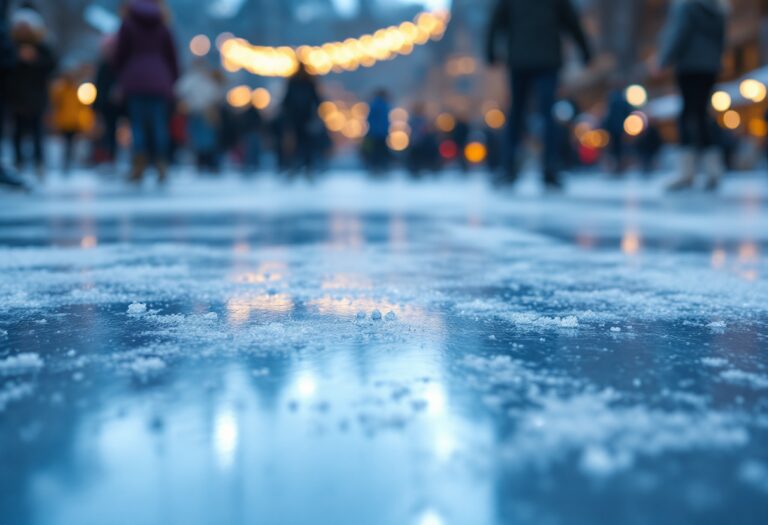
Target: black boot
pixel 552 181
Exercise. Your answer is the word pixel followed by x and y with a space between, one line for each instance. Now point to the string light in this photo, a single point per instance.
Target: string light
pixel 349 55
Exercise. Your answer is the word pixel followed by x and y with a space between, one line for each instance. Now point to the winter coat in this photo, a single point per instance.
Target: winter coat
pixel 145 58
pixel 7 55
pixel 533 31
pixel 27 82
pixel 378 118
pixel 68 114
pixel 694 38
pixel 301 102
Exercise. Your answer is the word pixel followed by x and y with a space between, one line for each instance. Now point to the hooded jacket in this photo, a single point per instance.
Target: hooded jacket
pixel 694 38
pixel 145 57
pixel 534 31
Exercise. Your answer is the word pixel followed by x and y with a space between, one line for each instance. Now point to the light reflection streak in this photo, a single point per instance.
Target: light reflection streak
pixel 226 438
pixel 239 308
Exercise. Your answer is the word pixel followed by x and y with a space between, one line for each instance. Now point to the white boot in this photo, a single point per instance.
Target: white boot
pixel 714 168
pixel 687 171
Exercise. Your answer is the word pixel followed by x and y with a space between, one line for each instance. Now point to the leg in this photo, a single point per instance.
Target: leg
pixel 137 115
pixel 69 148
pixel 520 83
pixel 161 134
pixel 687 85
pixel 546 89
pixel 19 130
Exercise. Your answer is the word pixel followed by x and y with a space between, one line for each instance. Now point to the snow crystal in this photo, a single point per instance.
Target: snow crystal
pixel 739 377
pixel 361 316
pixel 376 315
pixel 260 372
pixel 535 321
pixel 717 326
pixel 21 364
pixel 391 316
pixel 137 309
pixel 615 329
pixel 3 333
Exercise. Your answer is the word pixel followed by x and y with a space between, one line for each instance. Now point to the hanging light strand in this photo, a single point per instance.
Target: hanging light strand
pixel 335 57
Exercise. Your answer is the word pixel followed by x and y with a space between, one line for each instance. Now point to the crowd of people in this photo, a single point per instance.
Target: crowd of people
pixel 139 79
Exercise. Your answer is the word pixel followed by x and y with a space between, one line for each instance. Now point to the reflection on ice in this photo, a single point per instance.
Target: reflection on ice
pixel 225 437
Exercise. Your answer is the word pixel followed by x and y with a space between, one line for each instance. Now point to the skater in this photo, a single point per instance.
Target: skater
pixel 147 69
pixel 201 95
pixel 27 91
pixel 377 151
pixel 533 33
pixel 108 105
pixel 70 117
pixel 7 60
pixel 301 120
pixel 693 44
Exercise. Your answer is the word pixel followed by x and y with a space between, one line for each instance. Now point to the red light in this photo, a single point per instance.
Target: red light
pixel 449 150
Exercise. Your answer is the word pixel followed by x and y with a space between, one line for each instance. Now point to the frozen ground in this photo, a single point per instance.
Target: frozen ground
pixel 383 353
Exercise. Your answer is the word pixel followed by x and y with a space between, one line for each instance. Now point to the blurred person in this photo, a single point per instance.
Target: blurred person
pixel 301 120
pixel 7 61
pixel 648 146
pixel 147 69
pixel 378 131
pixel 30 77
pixel 423 154
pixel 618 111
pixel 108 104
pixel 251 130
pixel 201 95
pixel 693 44
pixel 460 137
pixel 69 116
pixel 533 32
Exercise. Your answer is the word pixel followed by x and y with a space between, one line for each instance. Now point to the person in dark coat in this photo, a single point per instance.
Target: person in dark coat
pixel 300 118
pixel 618 111
pixel 533 32
pixel 27 92
pixel 7 61
pixel 693 44
pixel 147 69
pixel 378 130
pixel 108 104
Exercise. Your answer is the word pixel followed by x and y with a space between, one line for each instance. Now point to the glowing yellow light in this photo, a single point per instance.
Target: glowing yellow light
pixel 631 243
pixel 398 140
pixel 87 94
pixel 261 98
pixel 360 110
pixel 495 119
pixel 200 45
pixel 634 125
pixel 239 97
pixel 721 101
pixel 475 152
pixel 326 108
pixel 753 90
pixel 365 51
pixel 398 115
pixel 636 95
pixel 731 119
pixel 758 127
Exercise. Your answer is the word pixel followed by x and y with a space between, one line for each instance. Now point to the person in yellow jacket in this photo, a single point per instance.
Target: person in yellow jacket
pixel 70 117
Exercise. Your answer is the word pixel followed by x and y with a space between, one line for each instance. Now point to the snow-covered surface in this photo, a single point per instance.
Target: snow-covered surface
pixel 387 353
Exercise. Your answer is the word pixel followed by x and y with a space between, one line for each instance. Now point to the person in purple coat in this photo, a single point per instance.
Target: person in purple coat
pixel 147 69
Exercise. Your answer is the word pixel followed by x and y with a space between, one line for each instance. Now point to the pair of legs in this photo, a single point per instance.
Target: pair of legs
pixel 28 127
pixel 696 130
pixel 151 134
pixel 527 84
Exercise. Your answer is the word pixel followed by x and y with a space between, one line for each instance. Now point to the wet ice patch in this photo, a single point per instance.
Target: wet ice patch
pixel 755 474
pixel 21 364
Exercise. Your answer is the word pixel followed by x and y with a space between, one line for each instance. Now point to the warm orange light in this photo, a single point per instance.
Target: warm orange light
pixel 261 98
pixel 631 243
pixel 239 97
pixel 634 125
pixel 731 119
pixel 445 122
pixel 398 140
pixel 475 152
pixel 495 119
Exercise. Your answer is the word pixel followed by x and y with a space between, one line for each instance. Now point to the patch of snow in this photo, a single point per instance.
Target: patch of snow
pixel 14 392
pixel 714 362
pixel 21 364
pixel 739 377
pixel 146 368
pixel 137 309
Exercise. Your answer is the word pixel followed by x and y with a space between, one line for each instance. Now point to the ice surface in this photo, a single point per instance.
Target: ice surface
pixel 464 352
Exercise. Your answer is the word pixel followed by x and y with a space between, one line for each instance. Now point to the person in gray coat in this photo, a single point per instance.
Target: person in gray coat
pixel 533 31
pixel 693 43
